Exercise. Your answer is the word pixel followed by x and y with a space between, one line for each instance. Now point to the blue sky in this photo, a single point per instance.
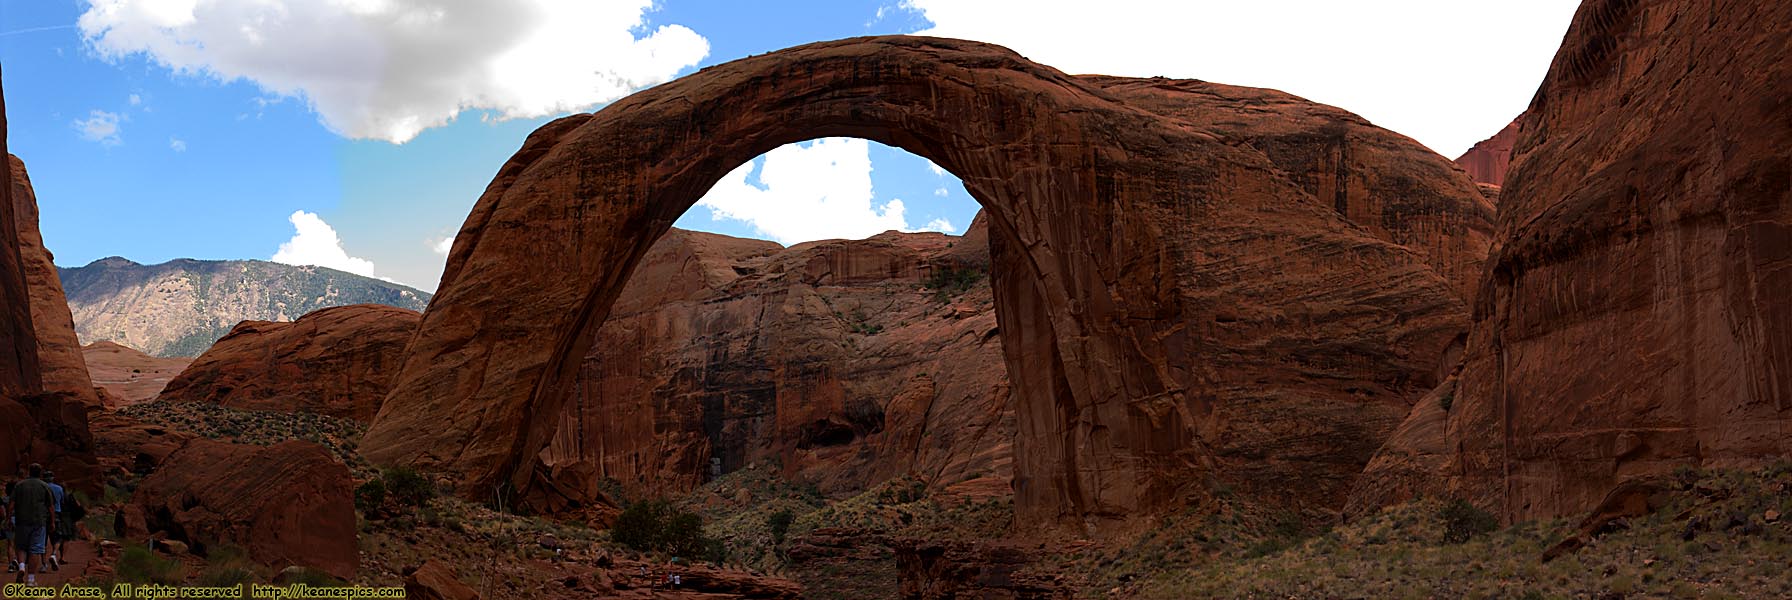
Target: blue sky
pixel 343 133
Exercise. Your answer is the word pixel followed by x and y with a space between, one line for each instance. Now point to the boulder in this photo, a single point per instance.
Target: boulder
pixel 336 361
pixel 1177 313
pixel 290 504
pixel 1635 317
pixel 436 581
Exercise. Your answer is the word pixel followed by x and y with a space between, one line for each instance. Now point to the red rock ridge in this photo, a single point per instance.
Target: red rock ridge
pixel 1487 161
pixel 337 361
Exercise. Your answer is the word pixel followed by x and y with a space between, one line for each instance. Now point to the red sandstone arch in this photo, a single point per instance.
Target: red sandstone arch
pixel 1163 292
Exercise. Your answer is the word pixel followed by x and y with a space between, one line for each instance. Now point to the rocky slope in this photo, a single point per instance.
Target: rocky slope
pixel 338 361
pixel 178 308
pixel 1167 294
pixel 844 362
pixel 1635 318
pixel 127 376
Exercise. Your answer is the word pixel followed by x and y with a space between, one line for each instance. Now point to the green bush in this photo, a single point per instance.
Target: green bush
pixel 137 564
pixel 656 525
pixel 408 487
pixel 1463 521
pixel 947 282
pixel 779 524
pixel 370 496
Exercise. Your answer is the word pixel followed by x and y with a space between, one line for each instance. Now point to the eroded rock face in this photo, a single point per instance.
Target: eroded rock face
pixel 58 351
pixel 290 504
pixel 831 359
pixel 1393 187
pixel 1175 311
pixel 337 361
pixel 1487 161
pixel 1637 315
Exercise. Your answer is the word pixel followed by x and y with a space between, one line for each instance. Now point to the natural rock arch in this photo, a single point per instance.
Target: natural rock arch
pixel 1160 287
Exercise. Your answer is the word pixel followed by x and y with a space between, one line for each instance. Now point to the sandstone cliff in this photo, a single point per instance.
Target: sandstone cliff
pixel 833 359
pixel 58 353
pixel 337 361
pixel 1636 317
pixel 178 308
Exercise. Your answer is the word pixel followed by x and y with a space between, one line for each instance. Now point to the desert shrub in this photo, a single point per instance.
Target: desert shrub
pixel 779 524
pixel 137 564
pixel 227 566
pixel 657 525
pixel 408 487
pixel 947 282
pixel 370 496
pixel 1463 521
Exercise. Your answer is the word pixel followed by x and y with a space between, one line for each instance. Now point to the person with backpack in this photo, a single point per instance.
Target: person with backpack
pixel 32 506
pixel 68 512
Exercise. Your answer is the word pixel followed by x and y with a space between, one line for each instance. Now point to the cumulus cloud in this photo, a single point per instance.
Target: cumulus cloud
pixel 442 246
pixel 809 191
pixel 99 126
pixel 135 99
pixel 314 242
pixel 388 69
pixel 941 225
pixel 177 144
pixel 1446 73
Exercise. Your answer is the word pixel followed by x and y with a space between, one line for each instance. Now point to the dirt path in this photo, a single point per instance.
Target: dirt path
pixel 77 556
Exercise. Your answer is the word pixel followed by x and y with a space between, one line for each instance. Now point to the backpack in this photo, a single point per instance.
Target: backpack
pixel 72 511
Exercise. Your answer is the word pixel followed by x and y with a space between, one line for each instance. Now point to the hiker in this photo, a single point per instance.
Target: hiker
pixel 32 508
pixel 69 512
pixel 15 560
pixel 54 530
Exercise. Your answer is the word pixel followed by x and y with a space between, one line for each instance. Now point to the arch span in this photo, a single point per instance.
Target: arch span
pixel 1157 284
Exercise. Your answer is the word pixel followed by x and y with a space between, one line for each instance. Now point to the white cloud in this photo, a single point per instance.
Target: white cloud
pixel 1449 74
pixel 177 144
pixel 314 242
pixel 99 126
pixel 388 69
pixel 941 225
pixel 938 171
pixel 941 192
pixel 442 246
pixel 810 191
pixel 136 99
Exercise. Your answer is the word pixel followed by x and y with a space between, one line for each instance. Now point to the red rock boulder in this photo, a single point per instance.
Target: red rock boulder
pixel 336 361
pixel 1637 316
pixel 127 375
pixel 290 504
pixel 58 350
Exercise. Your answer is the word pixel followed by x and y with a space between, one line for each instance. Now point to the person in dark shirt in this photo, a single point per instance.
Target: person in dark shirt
pixel 33 510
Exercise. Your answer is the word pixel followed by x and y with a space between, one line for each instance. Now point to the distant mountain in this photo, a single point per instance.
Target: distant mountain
pixel 178 308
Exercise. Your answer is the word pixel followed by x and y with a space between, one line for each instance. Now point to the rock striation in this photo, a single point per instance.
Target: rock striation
pixel 1177 313
pixel 290 504
pixel 1635 316
pixel 834 360
pixel 19 373
pixel 337 361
